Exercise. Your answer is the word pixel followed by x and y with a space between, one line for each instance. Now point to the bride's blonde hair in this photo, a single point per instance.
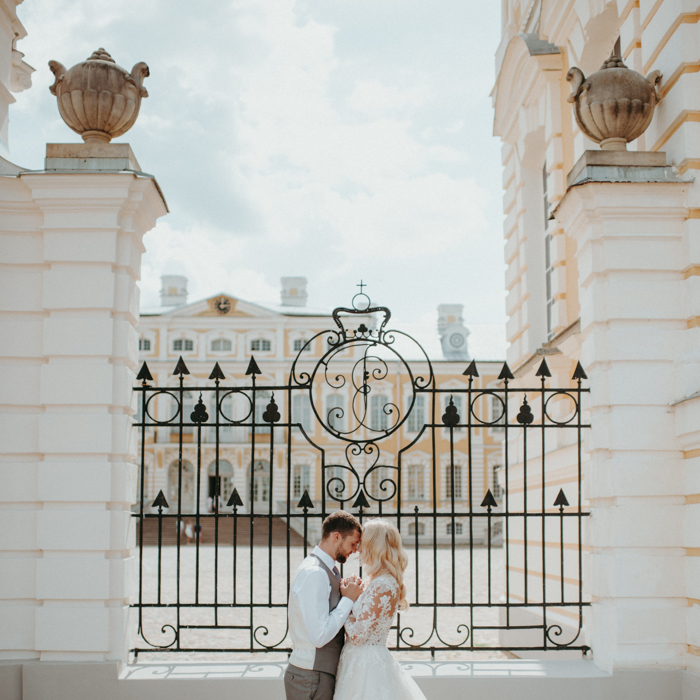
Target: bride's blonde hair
pixel 382 551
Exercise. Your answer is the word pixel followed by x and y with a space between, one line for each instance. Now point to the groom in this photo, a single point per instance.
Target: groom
pixel 319 604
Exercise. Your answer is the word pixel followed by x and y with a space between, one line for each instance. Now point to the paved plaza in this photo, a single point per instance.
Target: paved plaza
pixel 269 585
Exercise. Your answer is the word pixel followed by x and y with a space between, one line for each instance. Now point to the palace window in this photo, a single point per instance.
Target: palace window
pixel 379 413
pixel 183 344
pixel 335 411
pixel 416 482
pixel 224 488
pixel 221 345
pixel 496 488
pixel 457 403
pixel 301 480
pixel 227 432
pixel 186 417
pixel 548 257
pixel 382 483
pixel 498 414
pixel 261 482
pixel 545 198
pixel 261 426
pixel 144 344
pixel 416 418
pixel 181 481
pixel 338 483
pixel 260 344
pixel 457 481
pixel 301 412
pixel 459 528
pixel 548 283
pixel 412 529
pixel 300 344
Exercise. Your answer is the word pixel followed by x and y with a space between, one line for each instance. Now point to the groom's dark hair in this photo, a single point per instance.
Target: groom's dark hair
pixel 342 522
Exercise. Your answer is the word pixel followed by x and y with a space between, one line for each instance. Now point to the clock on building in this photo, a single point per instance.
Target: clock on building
pixel 457 340
pixel 222 305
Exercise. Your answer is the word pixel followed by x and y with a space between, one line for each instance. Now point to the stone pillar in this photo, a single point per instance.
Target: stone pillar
pixel 626 212
pixel 73 240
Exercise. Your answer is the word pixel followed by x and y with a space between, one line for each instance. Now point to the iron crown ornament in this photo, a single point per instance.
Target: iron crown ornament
pixel 615 105
pixel 97 98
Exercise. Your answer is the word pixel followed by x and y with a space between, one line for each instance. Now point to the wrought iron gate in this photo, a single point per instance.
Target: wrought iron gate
pixel 216 578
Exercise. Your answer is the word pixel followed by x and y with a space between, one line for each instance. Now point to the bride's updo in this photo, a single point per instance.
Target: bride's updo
pixel 382 552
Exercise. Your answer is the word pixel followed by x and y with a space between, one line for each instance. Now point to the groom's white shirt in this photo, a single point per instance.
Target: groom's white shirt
pixel 310 624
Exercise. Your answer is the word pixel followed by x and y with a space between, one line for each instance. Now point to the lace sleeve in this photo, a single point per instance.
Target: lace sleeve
pixel 376 605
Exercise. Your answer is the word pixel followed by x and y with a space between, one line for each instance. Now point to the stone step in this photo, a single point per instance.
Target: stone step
pixel 225 533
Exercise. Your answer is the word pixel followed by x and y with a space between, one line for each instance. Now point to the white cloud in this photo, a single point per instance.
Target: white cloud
pixel 289 138
pixel 374 99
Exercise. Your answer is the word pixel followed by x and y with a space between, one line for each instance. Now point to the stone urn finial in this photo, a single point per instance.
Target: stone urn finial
pixel 97 98
pixel 615 105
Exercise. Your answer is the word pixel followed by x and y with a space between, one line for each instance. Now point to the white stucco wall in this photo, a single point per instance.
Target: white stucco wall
pixel 71 246
pixel 625 302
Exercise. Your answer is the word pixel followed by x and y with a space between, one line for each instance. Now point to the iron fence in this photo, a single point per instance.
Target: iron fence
pixel 228 592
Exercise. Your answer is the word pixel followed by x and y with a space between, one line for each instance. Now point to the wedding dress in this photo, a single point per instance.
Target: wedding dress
pixel 367 670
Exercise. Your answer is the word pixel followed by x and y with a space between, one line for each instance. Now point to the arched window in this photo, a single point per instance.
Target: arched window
pixel 221 345
pixel 301 412
pixel 261 483
pixel 416 418
pixel 300 344
pixel 187 431
pixel 225 480
pixel 260 344
pixel 459 528
pixel 147 474
pixel 497 413
pixel 496 488
pixel 181 479
pixel 261 426
pixel 183 345
pixel 338 483
pixel 301 480
pixel 233 407
pixel 457 403
pixel 379 416
pixel 457 481
pixel 416 482
pixel 412 529
pixel 380 486
pixel 335 411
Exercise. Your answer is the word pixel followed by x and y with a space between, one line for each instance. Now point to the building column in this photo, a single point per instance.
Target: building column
pixel 85 216
pixel 625 212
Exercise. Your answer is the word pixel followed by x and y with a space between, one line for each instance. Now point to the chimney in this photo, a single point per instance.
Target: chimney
pixel 173 290
pixel 447 314
pixel 453 333
pixel 293 291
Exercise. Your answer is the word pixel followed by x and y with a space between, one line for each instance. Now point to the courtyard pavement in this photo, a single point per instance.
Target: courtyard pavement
pixel 269 584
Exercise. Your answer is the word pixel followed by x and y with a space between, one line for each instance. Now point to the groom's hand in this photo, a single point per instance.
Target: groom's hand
pixel 350 588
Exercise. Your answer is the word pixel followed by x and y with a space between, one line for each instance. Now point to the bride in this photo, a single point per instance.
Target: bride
pixel 367 670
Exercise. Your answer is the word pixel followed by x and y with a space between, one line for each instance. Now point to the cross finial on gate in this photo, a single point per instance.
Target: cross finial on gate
pixel 361 286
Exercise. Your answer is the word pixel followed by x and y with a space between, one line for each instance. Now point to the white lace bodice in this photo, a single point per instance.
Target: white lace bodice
pixel 372 614
pixel 367 670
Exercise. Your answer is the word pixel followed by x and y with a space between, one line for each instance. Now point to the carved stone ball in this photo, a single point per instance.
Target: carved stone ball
pixel 97 98
pixel 615 105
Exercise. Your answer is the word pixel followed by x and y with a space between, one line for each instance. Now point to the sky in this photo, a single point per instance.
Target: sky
pixel 340 140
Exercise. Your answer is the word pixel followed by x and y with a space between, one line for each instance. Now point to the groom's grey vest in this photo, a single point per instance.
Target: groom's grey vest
pixel 327 657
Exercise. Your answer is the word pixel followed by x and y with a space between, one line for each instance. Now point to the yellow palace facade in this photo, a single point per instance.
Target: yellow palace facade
pixel 268 470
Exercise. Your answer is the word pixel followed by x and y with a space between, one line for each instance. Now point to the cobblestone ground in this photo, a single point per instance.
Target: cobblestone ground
pixel 270 623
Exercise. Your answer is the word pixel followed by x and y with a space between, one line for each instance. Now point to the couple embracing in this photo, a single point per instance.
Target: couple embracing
pixel 339 626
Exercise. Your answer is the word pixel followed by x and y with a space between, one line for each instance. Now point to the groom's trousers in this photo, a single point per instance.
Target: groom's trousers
pixel 303 684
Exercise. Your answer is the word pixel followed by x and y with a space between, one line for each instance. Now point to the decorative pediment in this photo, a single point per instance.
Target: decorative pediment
pixel 222 305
